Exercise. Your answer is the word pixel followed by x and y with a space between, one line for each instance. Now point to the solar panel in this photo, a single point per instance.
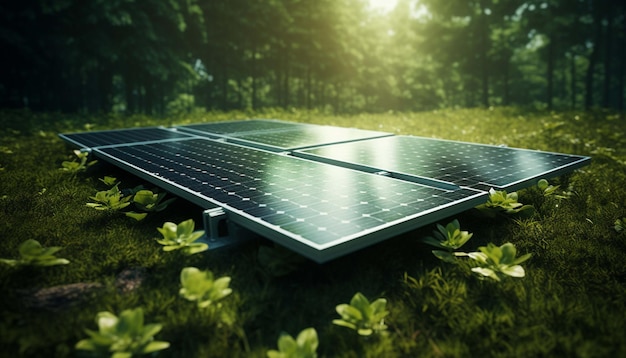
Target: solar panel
pixel 464 164
pixel 322 191
pixel 281 136
pixel 319 210
pixel 233 127
pixel 121 136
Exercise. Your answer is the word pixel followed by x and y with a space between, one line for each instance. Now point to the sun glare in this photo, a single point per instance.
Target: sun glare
pixel 384 6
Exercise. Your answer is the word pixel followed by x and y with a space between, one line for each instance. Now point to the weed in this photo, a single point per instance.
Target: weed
pixel 304 346
pixel 498 262
pixel 181 237
pixel 200 286
pixel 448 238
pixel 502 202
pixel 77 166
pixel 122 336
pixel 33 254
pixel 362 316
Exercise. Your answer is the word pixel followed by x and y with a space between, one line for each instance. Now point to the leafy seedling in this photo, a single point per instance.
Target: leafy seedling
pixel 363 317
pixel 33 254
pixel 181 237
pixel 498 262
pixel 449 239
pixel 122 336
pixel 111 199
pixel 502 202
pixel 304 346
pixel 75 166
pixel 551 190
pixel 200 286
pixel 108 181
pixel 148 201
pixel 619 225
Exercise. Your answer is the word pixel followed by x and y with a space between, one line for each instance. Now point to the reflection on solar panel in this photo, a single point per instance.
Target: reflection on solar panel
pixel 463 164
pixel 122 136
pixel 281 136
pixel 335 200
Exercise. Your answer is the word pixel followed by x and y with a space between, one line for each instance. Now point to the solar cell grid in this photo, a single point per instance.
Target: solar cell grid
pixel 303 137
pixel 464 164
pixel 309 201
pixel 122 136
pixel 230 127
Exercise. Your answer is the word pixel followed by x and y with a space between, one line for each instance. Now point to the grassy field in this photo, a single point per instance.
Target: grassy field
pixel 572 301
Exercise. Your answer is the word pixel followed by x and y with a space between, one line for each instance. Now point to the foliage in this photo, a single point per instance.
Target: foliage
pixel 448 238
pixel 362 316
pixel 122 336
pixel 148 201
pixel 108 180
pixel 77 166
pixel 502 202
pixel 619 225
pixel 181 237
pixel 200 286
pixel 111 199
pixel 33 254
pixel 551 190
pixel 304 346
pixel 498 262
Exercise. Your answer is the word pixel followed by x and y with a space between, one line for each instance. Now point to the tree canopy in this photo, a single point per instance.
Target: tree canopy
pixel 161 56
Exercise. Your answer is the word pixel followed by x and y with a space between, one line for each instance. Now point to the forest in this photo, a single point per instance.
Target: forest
pixel 161 57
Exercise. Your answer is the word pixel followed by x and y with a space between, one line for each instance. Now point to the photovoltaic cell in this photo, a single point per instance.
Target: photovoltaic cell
pixel 318 209
pixel 463 164
pixel 121 136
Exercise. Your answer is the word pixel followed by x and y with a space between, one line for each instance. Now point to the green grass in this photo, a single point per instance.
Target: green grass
pixel 571 302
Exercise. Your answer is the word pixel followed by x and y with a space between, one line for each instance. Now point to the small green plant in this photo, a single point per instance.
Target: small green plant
pixel 502 202
pixel 362 316
pixel 148 201
pixel 304 346
pixel 122 336
pixel 449 239
pixel 108 181
pixel 200 286
pixel 619 225
pixel 111 199
pixel 181 237
pixel 551 190
pixel 497 262
pixel 75 166
pixel 33 254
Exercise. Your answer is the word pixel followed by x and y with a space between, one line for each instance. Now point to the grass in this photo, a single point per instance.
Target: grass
pixel 571 302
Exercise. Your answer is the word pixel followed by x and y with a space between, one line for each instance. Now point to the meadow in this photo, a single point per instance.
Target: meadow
pixel 571 301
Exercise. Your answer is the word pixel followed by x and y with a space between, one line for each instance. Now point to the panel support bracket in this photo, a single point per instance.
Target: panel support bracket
pixel 220 232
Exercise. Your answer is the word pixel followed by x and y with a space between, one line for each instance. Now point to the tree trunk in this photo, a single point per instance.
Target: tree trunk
pixel 593 58
pixel 550 72
pixel 607 60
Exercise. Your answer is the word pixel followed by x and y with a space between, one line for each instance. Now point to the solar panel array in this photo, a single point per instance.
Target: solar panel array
pixel 321 191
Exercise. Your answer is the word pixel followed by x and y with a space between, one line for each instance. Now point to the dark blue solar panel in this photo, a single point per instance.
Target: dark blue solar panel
pixel 317 204
pixel 121 136
pixel 460 163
